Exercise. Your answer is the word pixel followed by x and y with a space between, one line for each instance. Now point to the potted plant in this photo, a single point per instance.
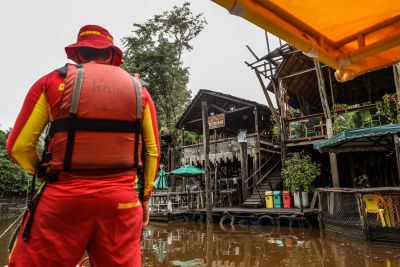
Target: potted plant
pixel 299 173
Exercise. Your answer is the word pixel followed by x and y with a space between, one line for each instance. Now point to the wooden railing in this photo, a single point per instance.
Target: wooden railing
pixel 172 201
pixel 306 127
pixel 265 176
pixel 227 148
pixel 313 126
pixel 258 171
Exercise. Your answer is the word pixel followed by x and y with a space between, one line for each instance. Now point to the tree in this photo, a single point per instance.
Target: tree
pixel 155 51
pixel 13 179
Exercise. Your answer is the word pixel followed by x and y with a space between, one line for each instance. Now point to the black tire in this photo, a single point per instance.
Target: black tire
pixel 227 218
pixel 263 220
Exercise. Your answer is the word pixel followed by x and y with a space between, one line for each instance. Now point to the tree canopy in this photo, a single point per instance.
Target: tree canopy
pixel 155 51
pixel 13 179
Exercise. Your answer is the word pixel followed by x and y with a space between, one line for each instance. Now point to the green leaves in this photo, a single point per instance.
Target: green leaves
pixel 155 51
pixel 13 179
pixel 389 108
pixel 299 172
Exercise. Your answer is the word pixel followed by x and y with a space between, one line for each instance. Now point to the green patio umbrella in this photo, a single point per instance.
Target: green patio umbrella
pixel 188 171
pixel 161 182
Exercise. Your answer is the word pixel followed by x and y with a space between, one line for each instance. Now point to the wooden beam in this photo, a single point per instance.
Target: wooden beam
pixel 300 72
pixel 331 87
pixel 252 52
pixel 397 150
pixel 257 158
pixel 282 113
pixel 328 117
pixel 270 105
pixel 218 108
pixel 355 149
pixel 206 144
pixel 396 77
pixel 244 169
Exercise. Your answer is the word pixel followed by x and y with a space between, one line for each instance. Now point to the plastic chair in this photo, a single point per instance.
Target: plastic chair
pixel 372 205
pixel 309 131
pixel 368 119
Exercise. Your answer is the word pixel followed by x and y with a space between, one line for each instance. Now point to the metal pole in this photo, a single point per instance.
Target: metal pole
pixel 206 142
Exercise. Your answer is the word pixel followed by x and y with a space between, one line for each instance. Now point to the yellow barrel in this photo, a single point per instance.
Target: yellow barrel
pixel 269 200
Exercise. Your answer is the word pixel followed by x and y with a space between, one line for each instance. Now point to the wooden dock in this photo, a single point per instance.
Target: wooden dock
pixel 258 211
pixel 232 215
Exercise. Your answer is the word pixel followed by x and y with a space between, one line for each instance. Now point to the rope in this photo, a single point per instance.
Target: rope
pixel 11 226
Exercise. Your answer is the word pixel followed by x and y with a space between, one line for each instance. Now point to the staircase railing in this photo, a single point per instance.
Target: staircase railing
pixel 257 171
pixel 266 176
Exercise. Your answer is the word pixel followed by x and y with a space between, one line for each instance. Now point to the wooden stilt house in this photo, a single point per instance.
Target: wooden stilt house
pixel 351 128
pixel 250 167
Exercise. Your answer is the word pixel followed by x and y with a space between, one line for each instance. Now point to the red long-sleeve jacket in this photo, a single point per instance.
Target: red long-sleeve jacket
pixel 41 106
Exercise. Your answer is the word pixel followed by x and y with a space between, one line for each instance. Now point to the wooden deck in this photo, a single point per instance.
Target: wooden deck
pixel 236 211
pixel 259 211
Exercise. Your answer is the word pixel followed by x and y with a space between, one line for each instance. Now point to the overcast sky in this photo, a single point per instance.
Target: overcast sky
pixel 34 34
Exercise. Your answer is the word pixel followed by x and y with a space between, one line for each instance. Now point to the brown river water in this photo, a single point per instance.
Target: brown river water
pixel 192 244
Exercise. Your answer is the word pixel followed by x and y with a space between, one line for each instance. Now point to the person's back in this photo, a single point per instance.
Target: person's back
pixel 99 117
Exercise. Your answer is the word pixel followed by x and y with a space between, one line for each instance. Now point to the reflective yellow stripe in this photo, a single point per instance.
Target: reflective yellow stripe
pixel 128 205
pixel 95 33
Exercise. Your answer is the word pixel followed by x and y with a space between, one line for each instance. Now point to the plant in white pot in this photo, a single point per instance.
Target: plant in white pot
pixel 299 173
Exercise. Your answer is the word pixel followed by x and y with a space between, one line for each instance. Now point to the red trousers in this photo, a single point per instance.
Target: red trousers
pixel 107 224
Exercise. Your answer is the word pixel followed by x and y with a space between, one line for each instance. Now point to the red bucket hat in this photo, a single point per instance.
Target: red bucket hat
pixel 94 36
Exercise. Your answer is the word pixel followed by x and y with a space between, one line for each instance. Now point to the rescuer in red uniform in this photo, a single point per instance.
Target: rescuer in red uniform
pixel 101 120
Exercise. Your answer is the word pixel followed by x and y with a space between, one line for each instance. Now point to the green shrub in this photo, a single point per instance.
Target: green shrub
pixel 299 172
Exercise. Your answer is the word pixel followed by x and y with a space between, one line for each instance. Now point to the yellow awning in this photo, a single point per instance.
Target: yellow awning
pixel 351 36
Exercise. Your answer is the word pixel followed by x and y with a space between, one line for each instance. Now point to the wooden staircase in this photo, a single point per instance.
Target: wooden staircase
pixel 271 180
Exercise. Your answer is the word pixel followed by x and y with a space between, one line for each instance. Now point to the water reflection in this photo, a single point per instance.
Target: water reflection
pixel 8 213
pixel 185 244
pixel 190 244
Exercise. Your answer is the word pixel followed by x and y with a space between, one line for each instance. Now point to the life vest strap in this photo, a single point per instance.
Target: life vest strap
pixel 138 89
pixel 94 125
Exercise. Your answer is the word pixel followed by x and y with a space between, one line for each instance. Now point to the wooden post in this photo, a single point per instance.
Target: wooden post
pixel 397 150
pixel 215 162
pixel 328 117
pixel 396 77
pixel 256 164
pixel 209 244
pixel 206 142
pixel 363 218
pixel 183 137
pixel 353 174
pixel 242 138
pixel 320 217
pixel 247 253
pixel 331 86
pixel 281 120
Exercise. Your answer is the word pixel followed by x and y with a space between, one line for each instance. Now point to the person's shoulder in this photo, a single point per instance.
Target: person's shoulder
pixel 52 79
